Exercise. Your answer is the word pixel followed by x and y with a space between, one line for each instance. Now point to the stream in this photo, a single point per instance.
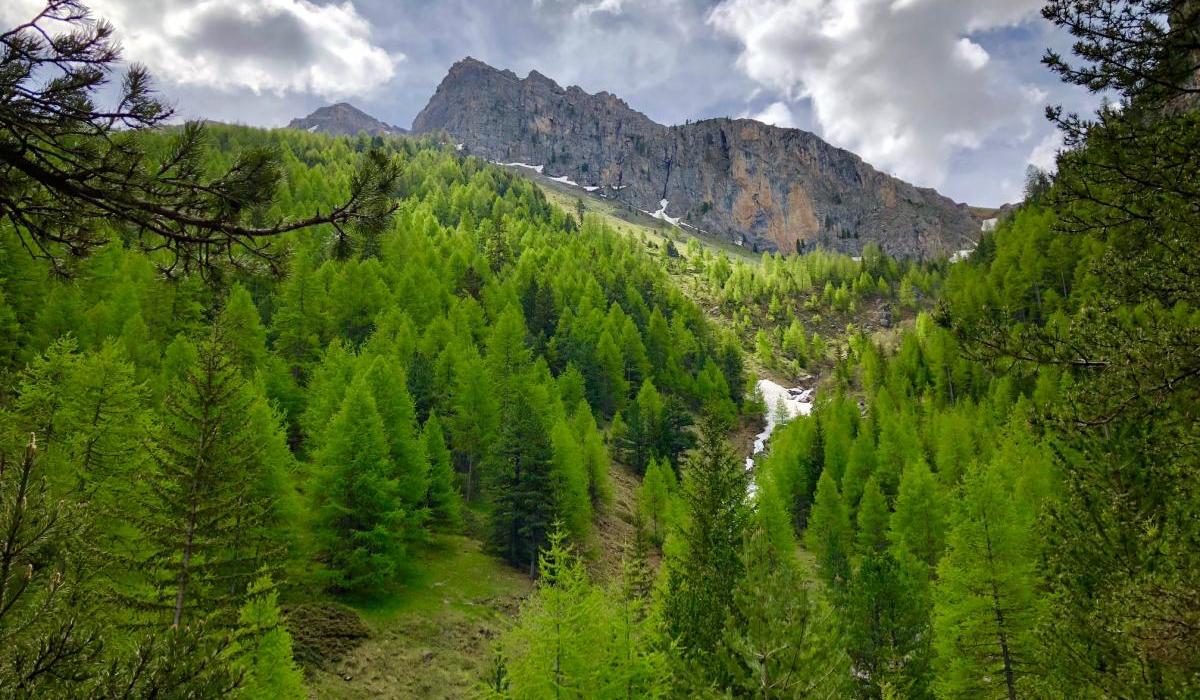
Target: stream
pixel 783 404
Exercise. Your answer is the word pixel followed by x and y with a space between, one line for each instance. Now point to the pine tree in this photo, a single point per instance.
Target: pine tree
pixel 360 517
pixel 442 500
pixel 47 615
pixel 202 504
pixel 828 535
pixel 265 658
pixel 702 578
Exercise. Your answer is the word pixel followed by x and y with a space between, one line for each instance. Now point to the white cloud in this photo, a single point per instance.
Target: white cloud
pixel 776 114
pixel 971 53
pixel 272 46
pixel 903 83
pixel 1045 154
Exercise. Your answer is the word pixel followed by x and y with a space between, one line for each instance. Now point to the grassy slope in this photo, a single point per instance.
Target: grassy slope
pixel 433 638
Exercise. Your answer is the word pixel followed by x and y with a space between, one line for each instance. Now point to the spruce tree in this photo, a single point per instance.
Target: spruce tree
pixel 702 577
pixel 521 485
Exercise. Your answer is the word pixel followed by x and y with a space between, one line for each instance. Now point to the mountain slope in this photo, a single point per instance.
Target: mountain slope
pixel 343 119
pixel 772 188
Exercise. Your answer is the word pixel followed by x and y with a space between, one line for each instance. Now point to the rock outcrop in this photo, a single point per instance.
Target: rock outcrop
pixel 343 119
pixel 765 187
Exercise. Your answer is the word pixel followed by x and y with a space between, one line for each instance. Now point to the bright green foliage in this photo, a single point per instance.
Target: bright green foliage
pixel 919 524
pixel 987 601
pixel 410 469
pixel 872 520
pixel 571 481
pixel 242 331
pixel 360 513
pixel 265 660
pixel 829 536
pixel 657 499
pixel 572 639
pixel 206 513
pixel 442 500
pixel 596 461
pixel 780 641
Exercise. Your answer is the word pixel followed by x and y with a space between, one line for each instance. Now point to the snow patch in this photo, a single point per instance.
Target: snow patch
pixel 589 188
pixel 783 405
pixel 313 128
pixel 960 255
pixel 989 224
pixel 663 214
pixel 563 179
pixel 458 146
pixel 535 168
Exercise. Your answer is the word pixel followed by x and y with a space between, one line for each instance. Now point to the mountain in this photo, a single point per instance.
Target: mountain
pixel 764 186
pixel 343 119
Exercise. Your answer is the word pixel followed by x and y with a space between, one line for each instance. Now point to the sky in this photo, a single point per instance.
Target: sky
pixel 948 94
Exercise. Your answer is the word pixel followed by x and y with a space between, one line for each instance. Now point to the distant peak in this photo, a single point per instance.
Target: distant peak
pixel 342 118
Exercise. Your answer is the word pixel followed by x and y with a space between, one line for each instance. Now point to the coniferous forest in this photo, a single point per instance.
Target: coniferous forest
pixel 250 378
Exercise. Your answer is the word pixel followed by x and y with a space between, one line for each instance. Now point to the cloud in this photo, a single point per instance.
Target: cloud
pixel 1045 154
pixel 266 46
pixel 776 114
pixel 907 84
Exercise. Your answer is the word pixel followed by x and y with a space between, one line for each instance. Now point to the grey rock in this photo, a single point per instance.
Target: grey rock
pixel 767 187
pixel 343 119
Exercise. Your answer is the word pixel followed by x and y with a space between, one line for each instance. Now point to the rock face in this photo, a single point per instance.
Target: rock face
pixel 343 119
pixel 766 187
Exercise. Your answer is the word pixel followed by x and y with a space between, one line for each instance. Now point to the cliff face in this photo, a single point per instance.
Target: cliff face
pixel 773 188
pixel 343 119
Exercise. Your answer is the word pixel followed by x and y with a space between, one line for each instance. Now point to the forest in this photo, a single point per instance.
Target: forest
pixel 249 373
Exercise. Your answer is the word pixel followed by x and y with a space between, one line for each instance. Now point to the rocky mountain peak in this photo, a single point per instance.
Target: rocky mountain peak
pixel 766 187
pixel 343 119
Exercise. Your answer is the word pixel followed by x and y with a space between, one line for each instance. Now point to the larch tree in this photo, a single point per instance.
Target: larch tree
pixel 202 504
pixel 442 499
pixel 986 601
pixel 829 535
pixel 360 515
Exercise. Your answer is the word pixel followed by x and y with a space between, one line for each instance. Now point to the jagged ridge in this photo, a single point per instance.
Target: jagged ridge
pixel 769 187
